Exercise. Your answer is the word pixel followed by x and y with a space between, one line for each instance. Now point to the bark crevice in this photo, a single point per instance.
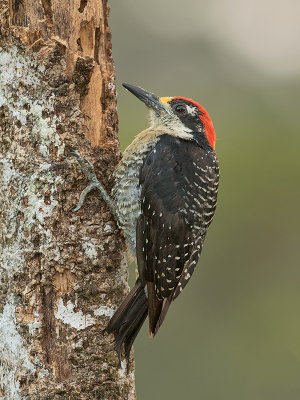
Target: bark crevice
pixel 83 4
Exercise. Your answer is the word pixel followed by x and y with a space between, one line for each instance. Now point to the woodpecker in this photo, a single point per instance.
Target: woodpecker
pixel 164 200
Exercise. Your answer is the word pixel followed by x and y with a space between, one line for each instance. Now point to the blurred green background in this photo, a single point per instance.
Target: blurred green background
pixel 234 333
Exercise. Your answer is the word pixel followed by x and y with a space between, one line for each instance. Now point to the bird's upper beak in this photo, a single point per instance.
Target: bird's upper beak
pixel 151 100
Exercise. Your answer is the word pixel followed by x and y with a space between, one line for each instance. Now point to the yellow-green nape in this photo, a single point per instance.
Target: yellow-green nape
pixel 165 99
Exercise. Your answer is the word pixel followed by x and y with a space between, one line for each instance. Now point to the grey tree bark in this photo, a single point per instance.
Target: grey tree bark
pixel 62 274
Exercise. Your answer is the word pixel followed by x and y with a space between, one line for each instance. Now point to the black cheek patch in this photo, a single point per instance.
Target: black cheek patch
pixel 192 122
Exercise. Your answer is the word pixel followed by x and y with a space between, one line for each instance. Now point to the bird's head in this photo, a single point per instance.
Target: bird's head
pixel 179 116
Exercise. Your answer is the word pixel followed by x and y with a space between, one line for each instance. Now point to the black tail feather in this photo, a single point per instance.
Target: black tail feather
pixel 131 320
pixel 163 314
pixel 114 323
pixel 128 320
pixel 155 307
pixel 131 338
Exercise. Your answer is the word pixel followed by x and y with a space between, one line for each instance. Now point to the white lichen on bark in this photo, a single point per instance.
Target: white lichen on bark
pixel 123 376
pixel 18 73
pixel 90 250
pixel 16 69
pixel 76 319
pixel 14 359
pixel 104 310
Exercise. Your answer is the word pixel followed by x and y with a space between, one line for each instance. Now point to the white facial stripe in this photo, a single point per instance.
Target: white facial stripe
pixel 191 110
pixel 169 124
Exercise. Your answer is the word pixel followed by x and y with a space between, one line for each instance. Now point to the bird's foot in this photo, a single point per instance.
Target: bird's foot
pixel 88 170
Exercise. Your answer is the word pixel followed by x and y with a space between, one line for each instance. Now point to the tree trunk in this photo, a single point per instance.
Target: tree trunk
pixel 62 274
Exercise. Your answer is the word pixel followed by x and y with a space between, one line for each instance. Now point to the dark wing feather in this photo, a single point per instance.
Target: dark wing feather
pixel 178 199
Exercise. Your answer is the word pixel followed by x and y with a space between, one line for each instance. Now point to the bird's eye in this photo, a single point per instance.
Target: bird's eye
pixel 180 108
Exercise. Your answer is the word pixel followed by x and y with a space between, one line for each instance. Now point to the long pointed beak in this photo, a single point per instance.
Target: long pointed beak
pixel 150 99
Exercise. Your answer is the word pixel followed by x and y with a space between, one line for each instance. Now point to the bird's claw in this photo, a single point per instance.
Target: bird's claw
pixel 88 170
pixel 86 167
pixel 83 194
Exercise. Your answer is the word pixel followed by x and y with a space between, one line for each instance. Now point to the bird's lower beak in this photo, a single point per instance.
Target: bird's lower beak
pixel 150 99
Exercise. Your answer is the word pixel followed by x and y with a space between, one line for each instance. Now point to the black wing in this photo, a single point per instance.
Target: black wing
pixel 179 183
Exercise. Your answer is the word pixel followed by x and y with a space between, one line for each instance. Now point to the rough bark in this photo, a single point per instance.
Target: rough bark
pixel 61 273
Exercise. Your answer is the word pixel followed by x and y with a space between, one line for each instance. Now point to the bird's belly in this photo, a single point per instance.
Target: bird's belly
pixel 126 193
pixel 127 190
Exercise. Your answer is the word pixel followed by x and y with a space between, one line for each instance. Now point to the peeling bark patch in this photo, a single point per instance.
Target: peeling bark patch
pixel 14 360
pixel 77 319
pixel 82 74
pixel 64 281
